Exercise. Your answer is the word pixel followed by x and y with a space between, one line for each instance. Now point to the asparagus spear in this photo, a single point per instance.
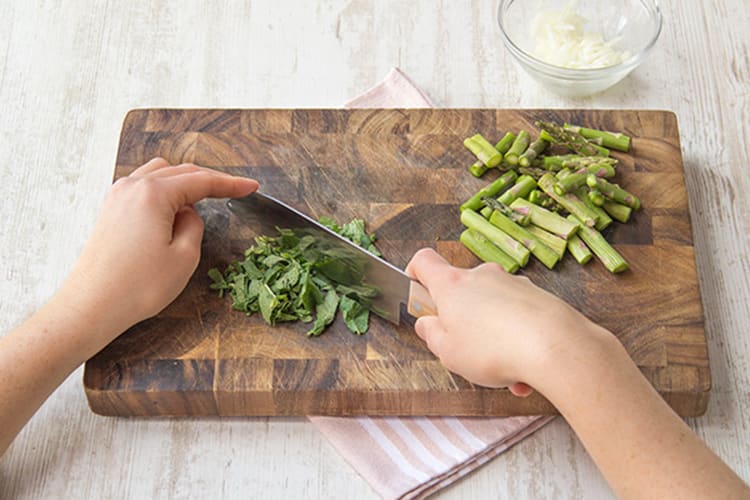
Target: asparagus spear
pixel 517 217
pixel 535 149
pixel 517 251
pixel 579 250
pixel 568 201
pixel 617 211
pixel 596 197
pixel 541 251
pixel 545 219
pixel 519 146
pixel 486 250
pixel 483 150
pixel 555 243
pixel 477 169
pixel 499 184
pixel 521 188
pixel 577 162
pixel 612 140
pixel 556 162
pixel 614 192
pixel 571 182
pixel 506 142
pixel 537 197
pixel 534 172
pixel 563 173
pixel 574 141
pixel 612 260
pixel 603 220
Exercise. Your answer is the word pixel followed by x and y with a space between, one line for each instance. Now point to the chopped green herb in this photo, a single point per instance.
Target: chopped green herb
pixel 298 278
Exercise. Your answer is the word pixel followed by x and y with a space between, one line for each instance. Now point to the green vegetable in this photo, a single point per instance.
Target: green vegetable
pixel 296 277
pixel 506 142
pixel 545 219
pixel 477 169
pixel 579 250
pixel 554 133
pixel 486 250
pixel 504 241
pixel 483 150
pixel 613 192
pixel 498 185
pixel 517 149
pixel 548 183
pixel 535 149
pixel 541 251
pixel 612 260
pixel 611 140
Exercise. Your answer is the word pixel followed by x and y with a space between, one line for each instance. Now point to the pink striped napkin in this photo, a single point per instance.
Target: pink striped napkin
pixel 413 457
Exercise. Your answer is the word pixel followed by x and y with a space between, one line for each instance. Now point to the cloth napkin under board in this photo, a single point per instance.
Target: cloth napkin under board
pixel 413 457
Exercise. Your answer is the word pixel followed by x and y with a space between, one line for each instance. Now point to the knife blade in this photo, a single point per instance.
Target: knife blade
pixel 266 213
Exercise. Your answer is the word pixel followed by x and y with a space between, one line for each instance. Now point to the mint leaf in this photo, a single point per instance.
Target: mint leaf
pixel 356 316
pixel 293 277
pixel 325 312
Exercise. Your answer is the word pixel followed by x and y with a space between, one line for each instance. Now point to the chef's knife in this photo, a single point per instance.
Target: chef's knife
pixel 266 213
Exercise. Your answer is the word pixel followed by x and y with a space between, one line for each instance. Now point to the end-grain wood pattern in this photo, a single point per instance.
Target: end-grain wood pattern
pixel 405 172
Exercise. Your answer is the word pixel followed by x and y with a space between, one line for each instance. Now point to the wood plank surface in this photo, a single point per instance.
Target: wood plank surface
pixel 69 72
pixel 405 172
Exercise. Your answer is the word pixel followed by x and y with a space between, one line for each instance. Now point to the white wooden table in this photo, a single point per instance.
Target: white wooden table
pixel 70 70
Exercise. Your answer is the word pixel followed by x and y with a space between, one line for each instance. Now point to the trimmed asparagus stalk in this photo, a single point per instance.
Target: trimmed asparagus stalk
pixel 596 197
pixel 579 250
pixel 477 169
pixel 517 217
pixel 506 142
pixel 517 251
pixel 568 201
pixel 534 172
pixel 555 243
pixel 486 250
pixel 521 188
pixel 574 141
pixel 557 162
pixel 571 182
pixel 614 192
pixel 541 251
pixel 498 185
pixel 563 173
pixel 537 197
pixel 612 140
pixel 483 150
pixel 535 149
pixel 577 162
pixel 519 146
pixel 603 220
pixel 545 219
pixel 617 211
pixel 608 256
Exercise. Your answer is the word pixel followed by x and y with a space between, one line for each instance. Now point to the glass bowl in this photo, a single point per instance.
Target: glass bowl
pixel 630 26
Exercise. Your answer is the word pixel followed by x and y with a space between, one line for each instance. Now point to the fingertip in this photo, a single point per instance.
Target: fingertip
pixel 520 390
pixel 420 327
pixel 244 186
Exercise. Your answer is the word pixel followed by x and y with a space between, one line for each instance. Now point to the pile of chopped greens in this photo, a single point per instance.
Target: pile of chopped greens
pixel 298 277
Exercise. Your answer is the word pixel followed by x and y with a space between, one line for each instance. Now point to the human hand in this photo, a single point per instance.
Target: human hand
pixel 146 242
pixel 493 328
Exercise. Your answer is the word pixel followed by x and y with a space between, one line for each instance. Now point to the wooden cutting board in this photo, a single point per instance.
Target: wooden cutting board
pixel 404 172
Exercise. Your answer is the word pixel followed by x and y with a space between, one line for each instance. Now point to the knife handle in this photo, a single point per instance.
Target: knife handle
pixel 420 303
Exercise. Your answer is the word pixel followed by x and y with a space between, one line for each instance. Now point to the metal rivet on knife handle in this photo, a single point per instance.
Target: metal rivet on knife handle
pixel 420 303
